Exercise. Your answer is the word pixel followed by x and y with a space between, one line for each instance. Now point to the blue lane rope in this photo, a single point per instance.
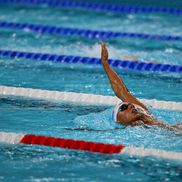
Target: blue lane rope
pixel 134 65
pixel 92 34
pixel 123 8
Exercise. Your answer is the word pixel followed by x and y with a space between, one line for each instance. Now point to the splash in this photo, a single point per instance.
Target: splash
pixel 98 121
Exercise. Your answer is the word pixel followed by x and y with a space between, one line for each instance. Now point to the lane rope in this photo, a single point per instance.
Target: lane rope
pixel 15 138
pixel 82 98
pixel 132 65
pixel 92 34
pixel 106 7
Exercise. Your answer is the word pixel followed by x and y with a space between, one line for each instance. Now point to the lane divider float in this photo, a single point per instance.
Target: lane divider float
pixel 132 65
pixel 81 98
pixel 106 7
pixel 15 138
pixel 92 34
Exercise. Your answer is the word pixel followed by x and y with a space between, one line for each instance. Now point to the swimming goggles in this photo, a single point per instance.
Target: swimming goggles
pixel 123 107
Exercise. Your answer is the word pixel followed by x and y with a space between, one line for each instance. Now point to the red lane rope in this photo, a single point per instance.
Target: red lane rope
pixel 72 144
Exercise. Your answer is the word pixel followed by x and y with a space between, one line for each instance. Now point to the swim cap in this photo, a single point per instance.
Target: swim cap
pixel 115 111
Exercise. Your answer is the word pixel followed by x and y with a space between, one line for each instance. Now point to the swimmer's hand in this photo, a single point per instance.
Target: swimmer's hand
pixel 104 54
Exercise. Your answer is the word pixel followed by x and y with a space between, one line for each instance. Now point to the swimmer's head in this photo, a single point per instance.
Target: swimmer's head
pixel 127 114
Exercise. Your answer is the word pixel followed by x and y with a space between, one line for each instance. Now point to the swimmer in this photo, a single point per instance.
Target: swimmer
pixel 130 112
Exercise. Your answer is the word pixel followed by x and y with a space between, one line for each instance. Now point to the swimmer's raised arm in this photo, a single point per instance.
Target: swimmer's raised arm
pixel 116 82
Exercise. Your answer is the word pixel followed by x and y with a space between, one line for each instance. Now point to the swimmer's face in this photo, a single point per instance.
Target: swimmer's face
pixel 128 114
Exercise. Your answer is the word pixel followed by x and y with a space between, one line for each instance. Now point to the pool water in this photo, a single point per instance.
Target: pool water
pixel 90 123
pixel 157 51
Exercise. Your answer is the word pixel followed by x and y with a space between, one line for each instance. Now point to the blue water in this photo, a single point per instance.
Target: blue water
pixel 157 51
pixel 91 123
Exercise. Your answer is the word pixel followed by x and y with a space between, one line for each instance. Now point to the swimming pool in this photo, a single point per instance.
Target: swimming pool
pixel 86 122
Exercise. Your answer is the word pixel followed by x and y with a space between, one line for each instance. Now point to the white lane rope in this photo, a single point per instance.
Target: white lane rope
pixel 81 98
pixel 12 138
pixel 144 152
pixel 15 138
